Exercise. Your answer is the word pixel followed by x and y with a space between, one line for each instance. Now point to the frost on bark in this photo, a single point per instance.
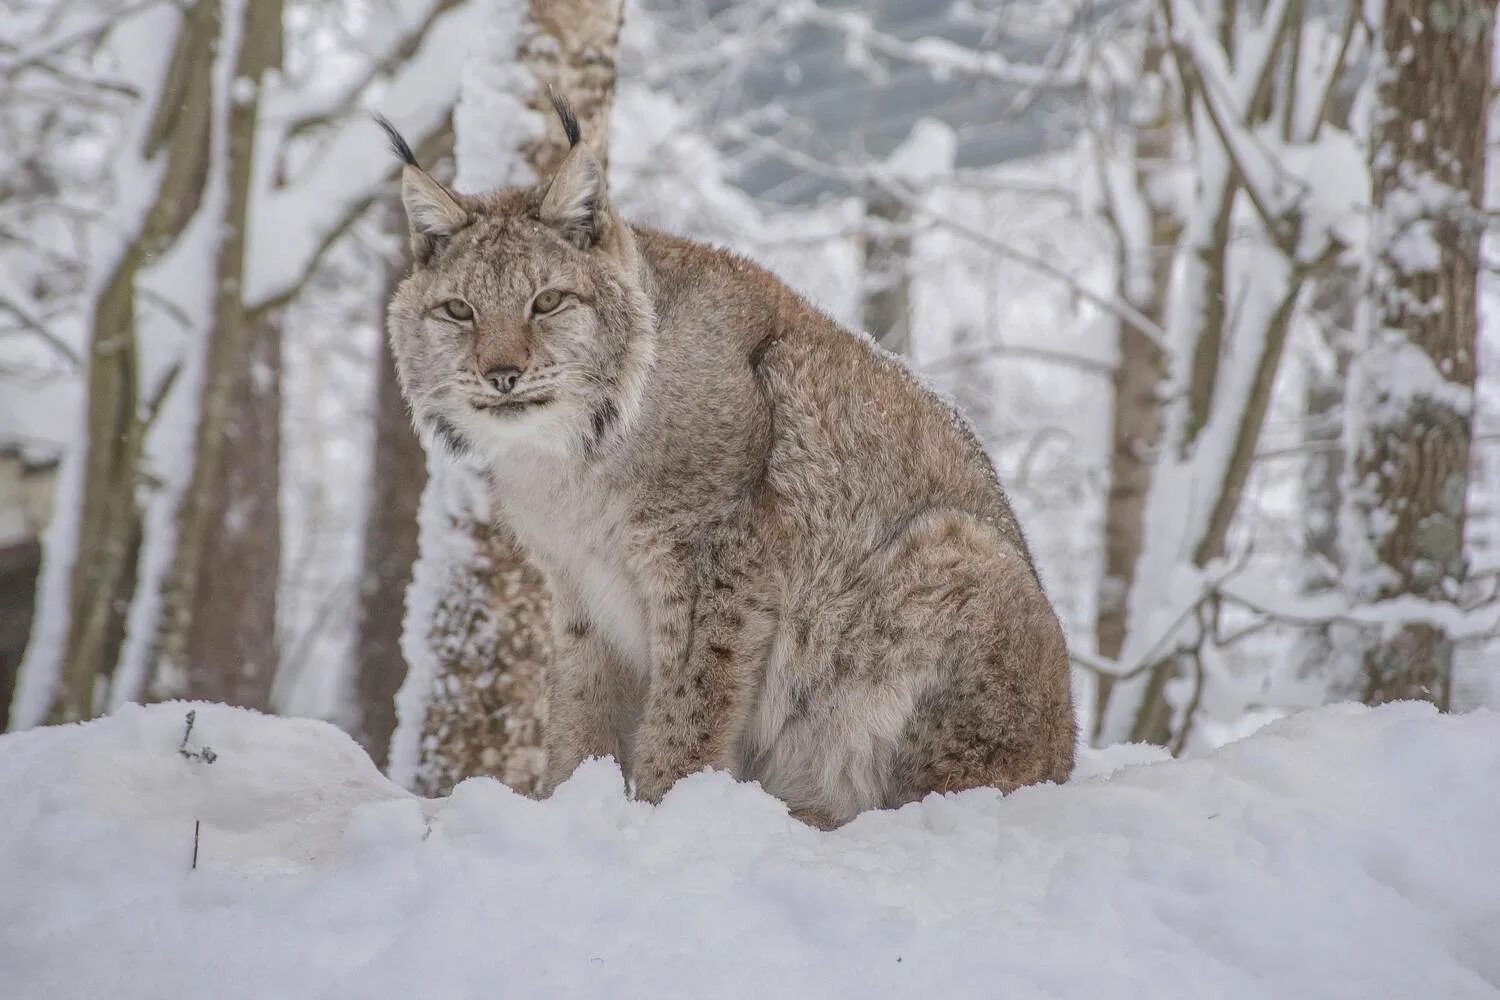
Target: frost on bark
pixel 1415 371
pixel 230 646
pixel 478 631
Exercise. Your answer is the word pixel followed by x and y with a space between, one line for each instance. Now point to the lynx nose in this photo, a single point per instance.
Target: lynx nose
pixel 503 379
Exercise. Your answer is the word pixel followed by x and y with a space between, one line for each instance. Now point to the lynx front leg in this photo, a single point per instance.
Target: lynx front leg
pixel 583 697
pixel 699 700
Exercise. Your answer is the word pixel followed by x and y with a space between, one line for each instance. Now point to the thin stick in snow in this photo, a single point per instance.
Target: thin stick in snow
pixel 204 754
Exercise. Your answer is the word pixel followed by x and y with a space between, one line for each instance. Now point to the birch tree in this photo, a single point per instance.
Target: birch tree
pixel 477 633
pixel 1413 415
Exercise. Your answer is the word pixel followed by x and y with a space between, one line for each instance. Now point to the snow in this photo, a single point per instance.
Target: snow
pixel 1346 852
pixel 926 156
pixel 492 122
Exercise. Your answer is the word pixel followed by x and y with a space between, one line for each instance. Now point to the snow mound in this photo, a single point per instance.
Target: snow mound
pixel 1345 852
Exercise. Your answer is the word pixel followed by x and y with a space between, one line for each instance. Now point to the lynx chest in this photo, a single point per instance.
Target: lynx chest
pixel 581 545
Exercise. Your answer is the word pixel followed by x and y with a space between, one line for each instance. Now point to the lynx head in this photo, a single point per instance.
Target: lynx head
pixel 524 322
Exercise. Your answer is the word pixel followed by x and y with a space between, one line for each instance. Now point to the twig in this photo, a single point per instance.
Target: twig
pixel 192 717
pixel 204 754
pixel 30 324
pixel 148 417
pixel 1122 311
pixel 196 824
pixel 322 111
pixel 1330 86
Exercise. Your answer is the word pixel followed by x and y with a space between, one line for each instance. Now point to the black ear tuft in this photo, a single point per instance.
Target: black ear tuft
pixel 565 112
pixel 399 145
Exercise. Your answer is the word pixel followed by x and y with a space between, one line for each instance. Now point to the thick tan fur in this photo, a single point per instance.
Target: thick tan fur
pixel 771 550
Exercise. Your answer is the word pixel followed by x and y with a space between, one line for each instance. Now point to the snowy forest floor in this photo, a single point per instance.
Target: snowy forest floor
pixel 1344 852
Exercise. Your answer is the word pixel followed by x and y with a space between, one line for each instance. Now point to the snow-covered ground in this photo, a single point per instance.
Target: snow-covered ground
pixel 1345 852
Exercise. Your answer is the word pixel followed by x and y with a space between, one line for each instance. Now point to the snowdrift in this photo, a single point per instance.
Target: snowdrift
pixel 1341 853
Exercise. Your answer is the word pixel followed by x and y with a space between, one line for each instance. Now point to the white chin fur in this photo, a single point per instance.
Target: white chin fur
pixel 499 436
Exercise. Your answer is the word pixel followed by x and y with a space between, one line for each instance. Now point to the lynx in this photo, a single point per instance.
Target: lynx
pixel 771 551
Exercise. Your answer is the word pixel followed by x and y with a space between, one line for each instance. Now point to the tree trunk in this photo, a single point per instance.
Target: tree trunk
pixel 1211 426
pixel 217 638
pixel 20 559
pixel 478 630
pixel 105 530
pixel 398 474
pixel 1140 377
pixel 230 652
pixel 1416 369
pixel 1322 652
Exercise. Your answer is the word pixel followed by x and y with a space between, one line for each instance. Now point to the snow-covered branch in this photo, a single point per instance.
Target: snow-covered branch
pixel 60 37
pixel 1226 98
pixel 396 41
pixel 301 217
pixel 944 59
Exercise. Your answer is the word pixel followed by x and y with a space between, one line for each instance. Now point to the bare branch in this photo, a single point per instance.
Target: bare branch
pixel 960 359
pixel 1122 311
pixel 30 324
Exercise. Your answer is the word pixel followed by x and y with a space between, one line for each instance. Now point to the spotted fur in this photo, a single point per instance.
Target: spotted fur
pixel 771 550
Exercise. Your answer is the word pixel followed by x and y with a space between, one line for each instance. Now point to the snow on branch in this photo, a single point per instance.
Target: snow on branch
pixel 297 221
pixel 1229 586
pixel 64 36
pixel 296 111
pixel 1226 97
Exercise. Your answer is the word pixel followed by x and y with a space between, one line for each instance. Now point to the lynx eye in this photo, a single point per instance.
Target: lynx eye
pixel 458 309
pixel 546 301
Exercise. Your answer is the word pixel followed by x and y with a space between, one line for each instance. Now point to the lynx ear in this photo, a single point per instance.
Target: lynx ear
pixel 575 201
pixel 431 211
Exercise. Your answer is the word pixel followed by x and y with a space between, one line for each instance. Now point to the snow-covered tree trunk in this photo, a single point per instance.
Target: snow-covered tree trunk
pixel 218 620
pixel 1412 418
pixel 398 474
pixel 477 632
pixel 1321 651
pixel 1147 232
